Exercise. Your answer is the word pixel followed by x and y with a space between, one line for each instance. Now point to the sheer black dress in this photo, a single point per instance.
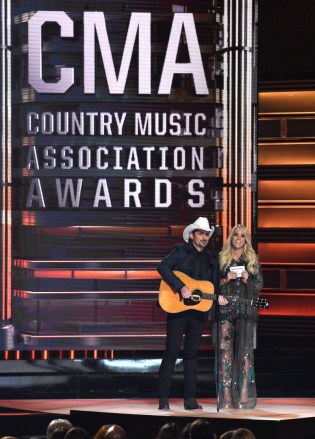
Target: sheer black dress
pixel 234 335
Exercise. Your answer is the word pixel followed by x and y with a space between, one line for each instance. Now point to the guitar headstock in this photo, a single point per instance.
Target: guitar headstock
pixel 261 303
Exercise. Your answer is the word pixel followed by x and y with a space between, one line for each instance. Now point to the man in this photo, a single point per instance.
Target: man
pixel 198 262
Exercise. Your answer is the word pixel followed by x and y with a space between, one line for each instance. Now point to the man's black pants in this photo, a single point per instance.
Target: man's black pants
pixel 190 324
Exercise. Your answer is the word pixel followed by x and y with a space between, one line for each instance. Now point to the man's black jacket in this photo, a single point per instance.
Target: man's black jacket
pixel 187 259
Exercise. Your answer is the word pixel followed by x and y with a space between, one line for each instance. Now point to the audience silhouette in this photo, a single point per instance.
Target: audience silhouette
pixel 58 423
pixel 115 432
pixel 200 428
pixel 227 435
pixel 243 433
pixel 185 431
pixel 58 433
pixel 170 430
pixel 100 434
pixel 77 433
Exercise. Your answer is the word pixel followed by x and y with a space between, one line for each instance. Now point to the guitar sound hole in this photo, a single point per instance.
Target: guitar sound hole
pixel 190 302
pixel 194 299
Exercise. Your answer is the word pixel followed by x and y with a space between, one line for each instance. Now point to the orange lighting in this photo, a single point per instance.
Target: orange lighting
pixel 282 154
pixel 101 274
pixel 286 190
pixel 289 304
pixel 280 217
pixel 56 274
pixel 286 253
pixel 284 102
pixel 21 263
pixel 92 274
pixel 28 218
pixel 143 274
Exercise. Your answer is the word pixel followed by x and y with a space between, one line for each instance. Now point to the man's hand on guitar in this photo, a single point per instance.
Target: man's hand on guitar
pixel 185 292
pixel 222 300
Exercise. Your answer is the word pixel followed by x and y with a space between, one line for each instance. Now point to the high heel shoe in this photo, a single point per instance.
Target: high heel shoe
pixel 226 405
pixel 164 404
pixel 191 404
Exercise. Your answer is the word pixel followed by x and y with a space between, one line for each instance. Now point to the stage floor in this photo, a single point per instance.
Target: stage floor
pixel 278 417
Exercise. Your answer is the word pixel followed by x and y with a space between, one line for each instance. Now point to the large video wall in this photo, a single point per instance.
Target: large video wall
pixel 116 147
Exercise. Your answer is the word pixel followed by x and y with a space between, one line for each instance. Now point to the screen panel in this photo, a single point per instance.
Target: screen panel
pixel 116 148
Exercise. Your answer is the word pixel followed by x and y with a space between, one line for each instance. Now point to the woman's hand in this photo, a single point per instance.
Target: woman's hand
pixel 245 275
pixel 222 300
pixel 230 275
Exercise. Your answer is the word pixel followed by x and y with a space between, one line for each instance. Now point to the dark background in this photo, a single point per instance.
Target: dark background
pixel 286 40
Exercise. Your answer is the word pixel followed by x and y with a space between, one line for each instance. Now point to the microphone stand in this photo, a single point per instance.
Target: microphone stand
pixel 217 343
pixel 217 356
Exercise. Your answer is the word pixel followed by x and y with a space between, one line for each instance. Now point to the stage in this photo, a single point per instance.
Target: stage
pixel 273 418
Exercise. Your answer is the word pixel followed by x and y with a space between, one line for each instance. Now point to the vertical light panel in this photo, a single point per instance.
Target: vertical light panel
pixel 238 142
pixel 6 160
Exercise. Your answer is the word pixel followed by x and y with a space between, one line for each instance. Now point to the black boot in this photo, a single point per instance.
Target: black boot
pixel 163 404
pixel 191 404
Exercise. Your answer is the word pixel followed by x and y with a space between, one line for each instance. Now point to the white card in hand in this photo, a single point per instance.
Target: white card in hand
pixel 238 269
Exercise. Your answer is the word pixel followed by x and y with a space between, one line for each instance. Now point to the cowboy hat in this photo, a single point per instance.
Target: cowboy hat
pixel 201 223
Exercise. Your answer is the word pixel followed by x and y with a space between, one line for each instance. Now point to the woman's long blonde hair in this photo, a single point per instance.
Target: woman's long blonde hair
pixel 226 255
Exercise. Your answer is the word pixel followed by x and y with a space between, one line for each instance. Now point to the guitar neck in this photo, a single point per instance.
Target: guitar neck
pixel 214 297
pixel 207 296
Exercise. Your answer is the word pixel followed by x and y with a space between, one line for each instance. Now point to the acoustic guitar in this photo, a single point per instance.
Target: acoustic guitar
pixel 201 299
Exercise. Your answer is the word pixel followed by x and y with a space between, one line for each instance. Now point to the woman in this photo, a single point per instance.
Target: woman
pixel 236 321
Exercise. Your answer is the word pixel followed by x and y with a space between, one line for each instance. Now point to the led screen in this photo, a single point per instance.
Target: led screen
pixel 116 141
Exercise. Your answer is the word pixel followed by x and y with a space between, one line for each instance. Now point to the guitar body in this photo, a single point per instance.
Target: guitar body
pixel 172 302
